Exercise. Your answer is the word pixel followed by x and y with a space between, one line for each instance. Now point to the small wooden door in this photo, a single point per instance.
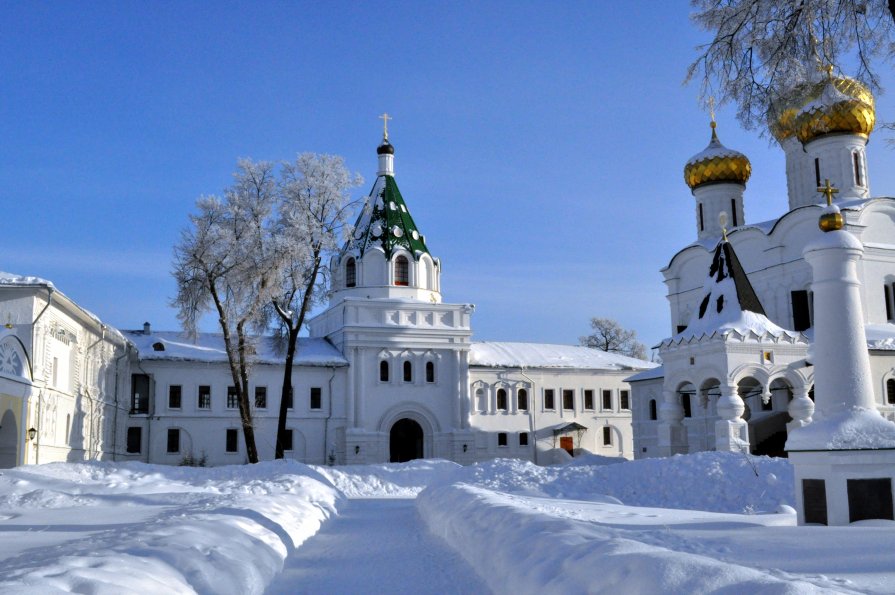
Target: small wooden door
pixel 565 443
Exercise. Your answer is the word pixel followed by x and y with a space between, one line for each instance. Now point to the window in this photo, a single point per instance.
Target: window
pixel 523 438
pixel 402 271
pixel 501 439
pixel 889 289
pixel 568 399
pixel 350 273
pixel 231 398
pixel 607 436
pixel 685 402
pixel 890 391
pixel 859 170
pixel 134 439
pixel 290 398
pixel 408 371
pixel 589 399
pixel 383 371
pixel 174 394
pixel 817 172
pixel 701 219
pixel 430 372
pixel 287 440
pixel 481 401
pixel 173 440
pixel 232 440
pixel 653 414
pixel 801 311
pixel 501 399
pixel 316 397
pixel 261 397
pixel 624 399
pixel 522 400
pixel 139 393
pixel 204 397
pixel 548 399
pixel 733 212
pixel 607 400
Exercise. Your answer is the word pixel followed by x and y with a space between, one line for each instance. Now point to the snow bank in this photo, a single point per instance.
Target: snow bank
pixel 520 550
pixel 401 480
pixel 855 429
pixel 135 528
pixel 709 481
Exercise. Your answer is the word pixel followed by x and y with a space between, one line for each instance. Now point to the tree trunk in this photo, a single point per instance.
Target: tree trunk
pixel 284 395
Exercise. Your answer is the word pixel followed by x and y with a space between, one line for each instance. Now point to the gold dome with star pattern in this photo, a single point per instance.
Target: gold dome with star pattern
pixel 849 108
pixel 717 164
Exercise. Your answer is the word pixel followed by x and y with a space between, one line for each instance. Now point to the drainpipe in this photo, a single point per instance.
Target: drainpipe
pixel 102 337
pixel 117 404
pixel 40 393
pixel 532 412
pixel 328 417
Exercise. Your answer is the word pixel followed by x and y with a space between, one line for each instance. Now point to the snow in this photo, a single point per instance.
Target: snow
pixel 651 374
pixel 708 522
pixel 851 430
pixel 714 150
pixel 540 355
pixel 209 347
pixel 880 336
pixel 13 279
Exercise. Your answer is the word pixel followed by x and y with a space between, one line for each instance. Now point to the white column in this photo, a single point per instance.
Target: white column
pixel 731 432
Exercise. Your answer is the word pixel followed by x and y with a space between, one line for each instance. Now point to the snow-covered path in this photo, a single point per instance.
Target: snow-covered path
pixel 376 545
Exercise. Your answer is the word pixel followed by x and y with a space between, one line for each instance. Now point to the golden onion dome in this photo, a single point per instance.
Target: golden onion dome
pixel 833 105
pixel 717 164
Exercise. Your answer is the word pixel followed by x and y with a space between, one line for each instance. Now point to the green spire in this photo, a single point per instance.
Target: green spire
pixel 385 221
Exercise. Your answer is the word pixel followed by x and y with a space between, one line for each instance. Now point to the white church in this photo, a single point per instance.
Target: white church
pixel 738 367
pixel 389 373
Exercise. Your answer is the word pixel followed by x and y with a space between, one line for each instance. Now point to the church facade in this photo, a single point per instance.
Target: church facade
pixel 738 374
pixel 389 373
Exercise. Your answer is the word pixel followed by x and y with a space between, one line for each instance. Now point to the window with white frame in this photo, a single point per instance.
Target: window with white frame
pixel 568 398
pixel 624 399
pixel 607 400
pixel 232 440
pixel 607 436
pixel 501 439
pixel 173 440
pixel 589 399
pixel 522 399
pixel 549 398
pixel 430 372
pixel 501 399
pixel 232 400
pixel 175 392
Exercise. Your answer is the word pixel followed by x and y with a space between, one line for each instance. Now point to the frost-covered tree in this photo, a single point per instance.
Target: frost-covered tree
pixel 763 49
pixel 226 263
pixel 609 335
pixel 315 203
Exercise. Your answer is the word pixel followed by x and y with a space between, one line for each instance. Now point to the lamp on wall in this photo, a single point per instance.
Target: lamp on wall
pixel 357 449
pixel 32 433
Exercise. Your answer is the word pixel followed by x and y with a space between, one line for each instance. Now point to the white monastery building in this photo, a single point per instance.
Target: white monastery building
pixel 738 369
pixel 388 373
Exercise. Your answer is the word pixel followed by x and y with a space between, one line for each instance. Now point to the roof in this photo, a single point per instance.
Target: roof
pixel 729 303
pixel 651 374
pixel 385 222
pixel 880 337
pixel 491 354
pixel 209 347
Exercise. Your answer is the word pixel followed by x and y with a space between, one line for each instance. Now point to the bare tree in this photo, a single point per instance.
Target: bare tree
pixel 225 263
pixel 609 336
pixel 313 221
pixel 762 50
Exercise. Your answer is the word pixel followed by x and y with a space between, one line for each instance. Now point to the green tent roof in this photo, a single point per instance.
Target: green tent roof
pixel 385 222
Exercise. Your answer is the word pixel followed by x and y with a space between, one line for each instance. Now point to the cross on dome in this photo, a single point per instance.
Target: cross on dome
pixel 385 118
pixel 828 191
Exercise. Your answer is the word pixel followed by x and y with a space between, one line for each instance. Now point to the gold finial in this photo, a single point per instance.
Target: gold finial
pixel 385 118
pixel 828 191
pixel 831 220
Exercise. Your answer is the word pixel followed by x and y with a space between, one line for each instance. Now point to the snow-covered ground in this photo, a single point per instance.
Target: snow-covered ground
pixel 710 522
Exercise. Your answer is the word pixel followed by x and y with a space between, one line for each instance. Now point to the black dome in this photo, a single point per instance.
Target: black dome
pixel 385 149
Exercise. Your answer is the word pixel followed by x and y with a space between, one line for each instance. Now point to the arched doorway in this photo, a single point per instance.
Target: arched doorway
pixel 405 441
pixel 9 439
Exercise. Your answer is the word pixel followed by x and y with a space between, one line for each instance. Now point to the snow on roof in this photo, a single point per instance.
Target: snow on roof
pixel 491 354
pixel 729 304
pixel 651 374
pixel 13 279
pixel 880 336
pixel 209 347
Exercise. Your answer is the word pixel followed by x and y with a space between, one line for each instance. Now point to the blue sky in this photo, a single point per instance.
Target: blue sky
pixel 539 146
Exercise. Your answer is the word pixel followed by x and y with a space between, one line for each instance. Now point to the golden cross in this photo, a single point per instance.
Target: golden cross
pixel 828 191
pixel 385 118
pixel 712 107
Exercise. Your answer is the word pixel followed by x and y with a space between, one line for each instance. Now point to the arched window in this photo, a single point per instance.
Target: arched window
pixel 408 371
pixel 889 290
pixel 383 371
pixel 402 271
pixel 685 402
pixel 501 399
pixel 890 391
pixel 350 273
pixel 481 401
pixel 858 158
pixel 430 372
pixel 652 410
pixel 522 400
